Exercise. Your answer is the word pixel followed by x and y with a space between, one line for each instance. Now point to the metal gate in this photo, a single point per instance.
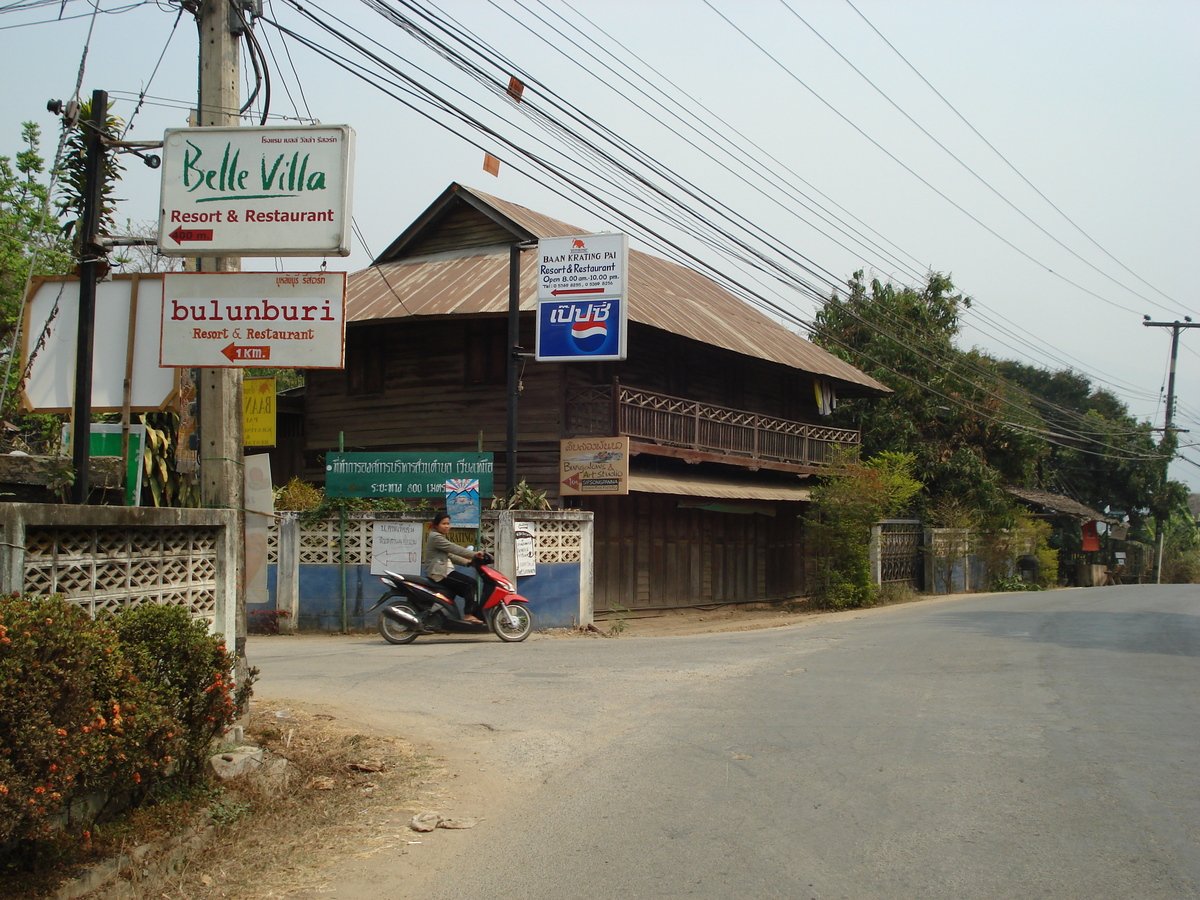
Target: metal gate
pixel 901 558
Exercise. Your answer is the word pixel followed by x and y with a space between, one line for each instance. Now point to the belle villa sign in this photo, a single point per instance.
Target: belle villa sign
pixel 278 191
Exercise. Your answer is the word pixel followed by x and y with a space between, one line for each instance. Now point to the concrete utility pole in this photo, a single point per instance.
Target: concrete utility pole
pixel 1160 521
pixel 220 390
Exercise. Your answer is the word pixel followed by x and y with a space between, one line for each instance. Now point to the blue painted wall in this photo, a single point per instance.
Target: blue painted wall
pixel 553 595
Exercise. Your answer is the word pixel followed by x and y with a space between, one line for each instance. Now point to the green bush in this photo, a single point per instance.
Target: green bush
pixel 1014 583
pixel 111 707
pixel 73 718
pixel 189 672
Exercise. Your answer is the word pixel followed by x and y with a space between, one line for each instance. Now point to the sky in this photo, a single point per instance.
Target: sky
pixel 1044 154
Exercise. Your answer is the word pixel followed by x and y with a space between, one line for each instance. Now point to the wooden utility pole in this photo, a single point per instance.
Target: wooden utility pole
pixel 219 391
pixel 1160 521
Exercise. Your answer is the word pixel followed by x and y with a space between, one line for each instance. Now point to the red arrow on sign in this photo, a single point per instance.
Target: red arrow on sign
pixel 181 234
pixel 234 353
pixel 579 291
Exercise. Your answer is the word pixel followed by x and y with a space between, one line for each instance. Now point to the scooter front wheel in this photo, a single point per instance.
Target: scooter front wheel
pixel 397 631
pixel 512 623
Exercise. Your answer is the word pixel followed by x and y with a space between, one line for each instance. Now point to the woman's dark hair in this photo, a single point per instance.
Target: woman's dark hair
pixel 437 517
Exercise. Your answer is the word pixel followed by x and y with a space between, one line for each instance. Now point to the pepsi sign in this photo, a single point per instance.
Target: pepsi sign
pixel 581 297
pixel 580 330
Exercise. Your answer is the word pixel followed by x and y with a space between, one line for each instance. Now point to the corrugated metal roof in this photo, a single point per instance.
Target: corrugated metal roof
pixel 717 488
pixel 661 294
pixel 1057 503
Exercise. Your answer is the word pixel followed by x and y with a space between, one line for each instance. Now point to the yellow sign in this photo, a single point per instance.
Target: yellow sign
pixel 598 465
pixel 258 412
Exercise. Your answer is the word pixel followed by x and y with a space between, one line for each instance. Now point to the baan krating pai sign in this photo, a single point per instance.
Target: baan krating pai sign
pixel 403 474
pixel 280 191
pixel 582 313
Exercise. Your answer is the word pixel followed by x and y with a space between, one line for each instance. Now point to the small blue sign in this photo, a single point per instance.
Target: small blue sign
pixel 578 330
pixel 462 502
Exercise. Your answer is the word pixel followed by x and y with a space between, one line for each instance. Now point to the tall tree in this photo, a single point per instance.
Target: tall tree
pixel 949 409
pixel 1102 456
pixel 29 228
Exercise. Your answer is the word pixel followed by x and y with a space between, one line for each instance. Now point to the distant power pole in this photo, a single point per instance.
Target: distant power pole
pixel 1160 521
pixel 219 391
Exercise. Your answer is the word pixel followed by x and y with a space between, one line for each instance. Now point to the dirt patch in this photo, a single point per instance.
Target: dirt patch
pixel 347 794
pixel 667 623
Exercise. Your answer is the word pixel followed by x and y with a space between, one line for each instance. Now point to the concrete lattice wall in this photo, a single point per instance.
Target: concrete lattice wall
pixel 319 573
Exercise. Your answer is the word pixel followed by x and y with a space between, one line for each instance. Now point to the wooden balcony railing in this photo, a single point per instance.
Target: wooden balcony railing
pixel 738 436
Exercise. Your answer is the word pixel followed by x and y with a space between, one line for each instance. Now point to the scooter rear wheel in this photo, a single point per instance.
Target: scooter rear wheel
pixel 397 632
pixel 520 626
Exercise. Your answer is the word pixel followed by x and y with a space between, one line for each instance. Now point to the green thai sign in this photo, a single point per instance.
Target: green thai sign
pixel 403 474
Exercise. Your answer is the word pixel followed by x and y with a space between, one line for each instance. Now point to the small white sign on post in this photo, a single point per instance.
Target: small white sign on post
pixel 285 320
pixel 273 191
pixel 525 544
pixel 396 547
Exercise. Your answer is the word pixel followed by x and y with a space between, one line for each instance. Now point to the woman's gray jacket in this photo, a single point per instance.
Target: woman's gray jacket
pixel 441 554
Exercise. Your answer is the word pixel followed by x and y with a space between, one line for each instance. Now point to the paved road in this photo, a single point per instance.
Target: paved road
pixel 1001 746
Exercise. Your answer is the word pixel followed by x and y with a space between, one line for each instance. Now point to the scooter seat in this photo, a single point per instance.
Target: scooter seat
pixel 419 579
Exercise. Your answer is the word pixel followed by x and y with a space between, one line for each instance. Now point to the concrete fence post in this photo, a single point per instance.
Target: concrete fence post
pixel 287 575
pixel 875 553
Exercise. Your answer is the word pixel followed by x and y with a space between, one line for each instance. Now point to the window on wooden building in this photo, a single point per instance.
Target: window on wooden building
pixel 486 345
pixel 364 363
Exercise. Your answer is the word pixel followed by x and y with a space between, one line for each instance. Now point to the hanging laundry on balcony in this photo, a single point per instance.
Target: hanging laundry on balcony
pixel 826 396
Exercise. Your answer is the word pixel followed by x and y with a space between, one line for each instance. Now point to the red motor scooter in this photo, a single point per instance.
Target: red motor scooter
pixel 413 606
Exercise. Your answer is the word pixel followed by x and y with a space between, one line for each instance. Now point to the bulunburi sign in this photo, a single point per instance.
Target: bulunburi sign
pixel 288 320
pixel 279 191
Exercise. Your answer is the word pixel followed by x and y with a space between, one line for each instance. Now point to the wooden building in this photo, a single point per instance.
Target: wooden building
pixel 719 401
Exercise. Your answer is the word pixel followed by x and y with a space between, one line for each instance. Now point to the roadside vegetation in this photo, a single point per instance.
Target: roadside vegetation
pixel 99 716
pixel 972 425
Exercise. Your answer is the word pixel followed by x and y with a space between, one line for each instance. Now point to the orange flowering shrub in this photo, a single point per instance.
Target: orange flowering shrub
pixel 190 673
pixel 113 706
pixel 74 719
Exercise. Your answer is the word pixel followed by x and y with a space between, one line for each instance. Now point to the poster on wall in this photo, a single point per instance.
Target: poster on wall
pixel 396 547
pixel 260 509
pixel 462 502
pixel 258 412
pixel 526 548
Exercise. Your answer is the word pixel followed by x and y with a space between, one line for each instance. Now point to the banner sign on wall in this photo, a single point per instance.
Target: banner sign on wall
pixel 403 474
pixel 582 313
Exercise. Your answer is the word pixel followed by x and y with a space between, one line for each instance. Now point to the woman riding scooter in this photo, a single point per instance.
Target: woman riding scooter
pixel 441 554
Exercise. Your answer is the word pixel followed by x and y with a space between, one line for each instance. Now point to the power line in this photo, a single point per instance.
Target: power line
pixel 1005 160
